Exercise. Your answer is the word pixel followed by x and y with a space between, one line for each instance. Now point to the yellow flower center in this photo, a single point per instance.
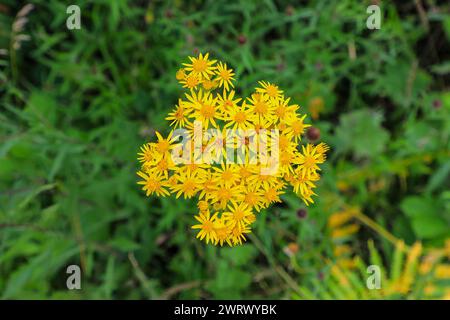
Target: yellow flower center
pixel 199 65
pixel 163 146
pixel 225 74
pixel 208 111
pixel 244 172
pixel 191 81
pixel 153 184
pixel 238 215
pixel 221 233
pixel 280 111
pixel 224 194
pixel 250 198
pixel 179 114
pixel 227 175
pixel 240 117
pixel 272 91
pixel 163 165
pixel 283 142
pixel 297 127
pixel 261 107
pixel 271 194
pixel 189 186
pixel 285 158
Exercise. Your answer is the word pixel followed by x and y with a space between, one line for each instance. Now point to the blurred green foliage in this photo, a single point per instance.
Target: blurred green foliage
pixel 75 105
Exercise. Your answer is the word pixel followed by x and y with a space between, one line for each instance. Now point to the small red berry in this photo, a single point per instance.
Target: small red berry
pixel 242 39
pixel 313 133
pixel 302 213
pixel 437 104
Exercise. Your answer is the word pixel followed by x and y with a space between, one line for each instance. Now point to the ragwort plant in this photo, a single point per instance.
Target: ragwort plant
pixel 239 156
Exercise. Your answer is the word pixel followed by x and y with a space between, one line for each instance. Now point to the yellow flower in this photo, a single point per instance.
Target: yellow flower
pixel 269 89
pixel 262 132
pixel 288 158
pixel 179 116
pixel 203 206
pixel 206 226
pixel 307 196
pixel 206 111
pixel 238 214
pixel 163 166
pixel 164 145
pixel 285 142
pixel 309 159
pixel 262 107
pixel 208 185
pixel 209 84
pixel 223 232
pixel 238 234
pixel 338 219
pixel 227 174
pixel 243 141
pixel 148 155
pixel 239 118
pixel 296 127
pixel 245 171
pixel 321 150
pixel 283 110
pixel 303 183
pixel 189 183
pixel 200 66
pixel 153 183
pixel 260 179
pixel 190 81
pixel 224 76
pixel 271 195
pixel 225 194
pixel 180 75
pixel 227 102
pixel 254 198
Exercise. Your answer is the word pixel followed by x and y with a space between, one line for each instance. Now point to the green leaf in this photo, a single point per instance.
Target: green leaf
pixel 415 206
pixel 429 227
pixel 239 256
pixel 439 177
pixel 124 244
pixel 361 133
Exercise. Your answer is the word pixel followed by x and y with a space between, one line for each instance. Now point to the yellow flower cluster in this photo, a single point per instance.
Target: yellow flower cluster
pixel 230 192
